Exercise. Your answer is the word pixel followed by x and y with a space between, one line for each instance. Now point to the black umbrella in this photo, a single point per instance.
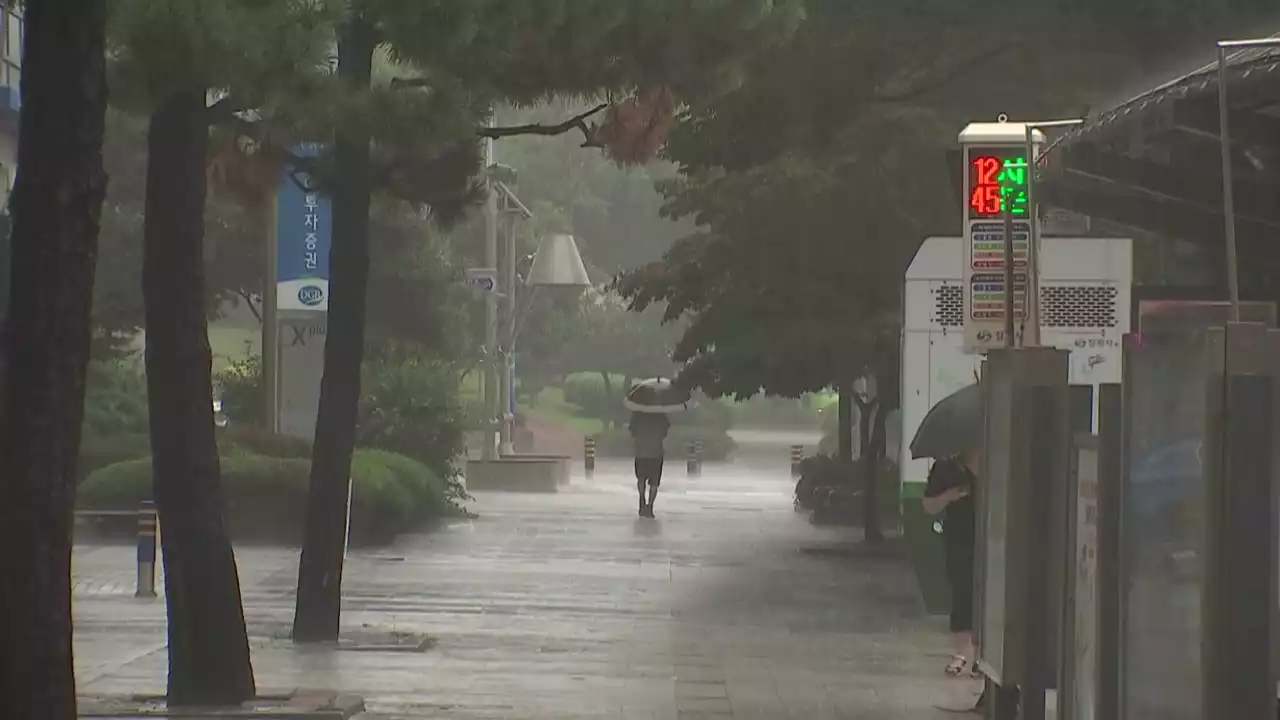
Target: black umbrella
pixel 953 426
pixel 656 395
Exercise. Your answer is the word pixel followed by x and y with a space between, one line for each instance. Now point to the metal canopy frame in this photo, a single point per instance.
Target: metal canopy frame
pixel 1153 162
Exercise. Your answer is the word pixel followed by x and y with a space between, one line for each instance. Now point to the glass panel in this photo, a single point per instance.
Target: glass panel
pixel 13 49
pixel 993 496
pixel 1084 643
pixel 1163 506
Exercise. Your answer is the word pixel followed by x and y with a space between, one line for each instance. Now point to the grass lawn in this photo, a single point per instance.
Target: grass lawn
pixel 229 344
pixel 552 406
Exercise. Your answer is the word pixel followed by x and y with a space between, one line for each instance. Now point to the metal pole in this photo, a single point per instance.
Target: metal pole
pixel 506 446
pixel 1228 188
pixel 270 318
pixel 1031 313
pixel 490 305
pixel 1008 272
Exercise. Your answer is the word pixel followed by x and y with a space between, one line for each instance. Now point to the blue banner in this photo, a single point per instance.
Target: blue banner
pixel 303 237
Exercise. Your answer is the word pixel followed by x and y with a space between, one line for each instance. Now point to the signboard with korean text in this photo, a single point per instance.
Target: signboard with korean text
pixel 303 236
pixel 995 185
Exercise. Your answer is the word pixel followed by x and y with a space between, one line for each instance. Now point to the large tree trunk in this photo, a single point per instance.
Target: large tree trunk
pixel 317 614
pixel 56 208
pixel 208 645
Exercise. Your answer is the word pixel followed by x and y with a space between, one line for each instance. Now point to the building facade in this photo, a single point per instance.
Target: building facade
pixel 10 97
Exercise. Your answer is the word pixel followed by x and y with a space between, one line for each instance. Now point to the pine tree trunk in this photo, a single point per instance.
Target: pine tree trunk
pixel 56 207
pixel 208 645
pixel 317 614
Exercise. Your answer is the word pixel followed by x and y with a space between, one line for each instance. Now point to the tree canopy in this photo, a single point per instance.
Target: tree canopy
pixel 813 181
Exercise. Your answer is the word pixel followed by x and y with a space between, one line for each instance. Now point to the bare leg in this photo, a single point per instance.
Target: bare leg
pixel 653 495
pixel 640 490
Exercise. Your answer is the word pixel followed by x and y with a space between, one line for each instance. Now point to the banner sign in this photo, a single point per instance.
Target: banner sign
pixel 303 236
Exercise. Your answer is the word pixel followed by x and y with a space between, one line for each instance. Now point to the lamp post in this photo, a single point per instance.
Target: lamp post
pixel 1032 301
pixel 514 210
pixel 1228 181
pixel 556 263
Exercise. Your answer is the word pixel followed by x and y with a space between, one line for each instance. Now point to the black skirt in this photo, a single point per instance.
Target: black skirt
pixel 960 569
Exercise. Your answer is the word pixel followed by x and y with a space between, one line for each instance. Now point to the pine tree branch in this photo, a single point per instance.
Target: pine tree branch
pixel 578 122
pixel 953 72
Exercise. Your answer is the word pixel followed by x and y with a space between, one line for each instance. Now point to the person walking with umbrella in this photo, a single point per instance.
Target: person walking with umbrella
pixel 649 402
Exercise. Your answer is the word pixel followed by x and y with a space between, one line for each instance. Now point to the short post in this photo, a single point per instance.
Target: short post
pixel 797 457
pixel 693 464
pixel 148 526
pixel 589 456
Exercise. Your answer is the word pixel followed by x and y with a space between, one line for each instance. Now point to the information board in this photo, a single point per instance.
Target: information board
pixel 995 186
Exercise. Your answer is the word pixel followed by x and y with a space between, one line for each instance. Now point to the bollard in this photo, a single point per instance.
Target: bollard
pixel 148 531
pixel 797 457
pixel 589 455
pixel 693 457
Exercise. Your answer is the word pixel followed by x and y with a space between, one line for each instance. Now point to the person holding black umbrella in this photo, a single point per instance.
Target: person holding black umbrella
pixel 949 492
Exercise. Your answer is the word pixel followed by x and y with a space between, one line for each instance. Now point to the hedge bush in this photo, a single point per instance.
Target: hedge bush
pixel 115 398
pixel 833 491
pixel 265 497
pixel 247 439
pixel 97 452
pixel 717 446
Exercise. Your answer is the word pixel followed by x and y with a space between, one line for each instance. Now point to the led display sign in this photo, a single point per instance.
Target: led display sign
pixel 997 177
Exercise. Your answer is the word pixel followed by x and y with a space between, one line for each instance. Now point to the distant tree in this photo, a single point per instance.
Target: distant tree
pixel 613 211
pixel 233 245
pixel 56 207
pixel 614 341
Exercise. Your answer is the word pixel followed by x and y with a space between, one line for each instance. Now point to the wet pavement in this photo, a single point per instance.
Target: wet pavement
pixel 565 606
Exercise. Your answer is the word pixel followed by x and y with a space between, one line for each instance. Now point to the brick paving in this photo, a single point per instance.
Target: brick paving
pixel 567 606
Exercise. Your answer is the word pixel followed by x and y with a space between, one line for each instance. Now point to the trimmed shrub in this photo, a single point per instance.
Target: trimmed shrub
pixel 99 452
pixel 411 407
pixel 832 491
pixel 717 446
pixel 257 441
pixel 115 399
pixel 266 498
pixel 242 391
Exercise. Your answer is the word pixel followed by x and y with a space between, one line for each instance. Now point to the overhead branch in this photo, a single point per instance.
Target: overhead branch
pixel 953 72
pixel 249 302
pixel 577 122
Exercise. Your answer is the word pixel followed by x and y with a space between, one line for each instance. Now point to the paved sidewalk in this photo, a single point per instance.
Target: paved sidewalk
pixel 568 606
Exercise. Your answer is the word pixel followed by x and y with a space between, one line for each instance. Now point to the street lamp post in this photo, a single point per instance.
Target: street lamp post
pixel 489 451
pixel 1032 301
pixel 1228 181
pixel 514 210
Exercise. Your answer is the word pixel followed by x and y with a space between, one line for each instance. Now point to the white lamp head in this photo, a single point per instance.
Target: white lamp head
pixel 557 263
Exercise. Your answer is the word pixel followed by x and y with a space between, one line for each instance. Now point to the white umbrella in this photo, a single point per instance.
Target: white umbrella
pixel 657 396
